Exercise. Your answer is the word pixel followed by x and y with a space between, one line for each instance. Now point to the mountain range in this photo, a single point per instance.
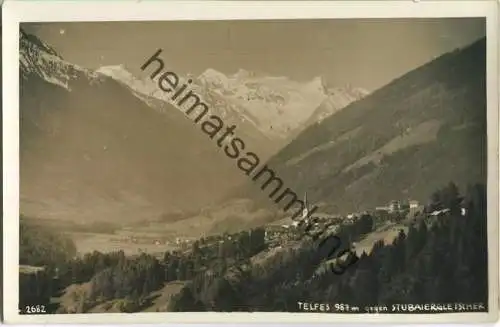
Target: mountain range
pixel 106 145
pixel 275 108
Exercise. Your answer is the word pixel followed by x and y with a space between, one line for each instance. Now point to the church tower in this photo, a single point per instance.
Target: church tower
pixel 305 211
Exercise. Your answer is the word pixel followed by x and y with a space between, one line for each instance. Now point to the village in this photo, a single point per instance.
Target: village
pixel 396 213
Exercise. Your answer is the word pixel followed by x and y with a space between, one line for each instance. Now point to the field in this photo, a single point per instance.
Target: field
pixel 388 232
pixel 89 242
pixel 161 298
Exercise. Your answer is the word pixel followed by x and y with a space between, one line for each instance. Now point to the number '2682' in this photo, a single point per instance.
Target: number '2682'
pixel 34 309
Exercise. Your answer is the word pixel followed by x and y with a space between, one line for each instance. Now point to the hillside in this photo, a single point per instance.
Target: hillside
pixel 91 150
pixel 420 131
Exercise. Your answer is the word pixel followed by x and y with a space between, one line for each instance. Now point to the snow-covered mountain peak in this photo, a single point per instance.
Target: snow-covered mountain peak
pixel 37 58
pixel 355 91
pixel 214 78
pixel 337 99
pixel 243 74
pixel 317 84
pixel 25 39
pixel 139 87
pixel 118 72
pixel 277 106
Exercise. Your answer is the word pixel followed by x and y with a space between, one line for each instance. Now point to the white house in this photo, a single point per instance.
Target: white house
pixel 394 206
pixel 414 204
pixel 440 212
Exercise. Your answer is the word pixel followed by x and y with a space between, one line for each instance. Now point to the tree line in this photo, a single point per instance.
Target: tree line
pixel 439 259
pixel 117 276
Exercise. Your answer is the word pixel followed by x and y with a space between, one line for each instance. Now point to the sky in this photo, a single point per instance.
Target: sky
pixel 360 53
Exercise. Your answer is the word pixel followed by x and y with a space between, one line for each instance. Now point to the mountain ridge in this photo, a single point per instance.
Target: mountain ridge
pixel 445 98
pixel 258 101
pixel 423 129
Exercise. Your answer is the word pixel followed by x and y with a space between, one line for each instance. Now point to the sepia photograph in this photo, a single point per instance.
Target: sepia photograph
pixel 298 167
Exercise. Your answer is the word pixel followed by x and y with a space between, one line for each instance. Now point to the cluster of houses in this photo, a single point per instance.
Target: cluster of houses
pixel 409 208
pixel 412 207
pixel 145 240
pixel 398 206
pixel 277 234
